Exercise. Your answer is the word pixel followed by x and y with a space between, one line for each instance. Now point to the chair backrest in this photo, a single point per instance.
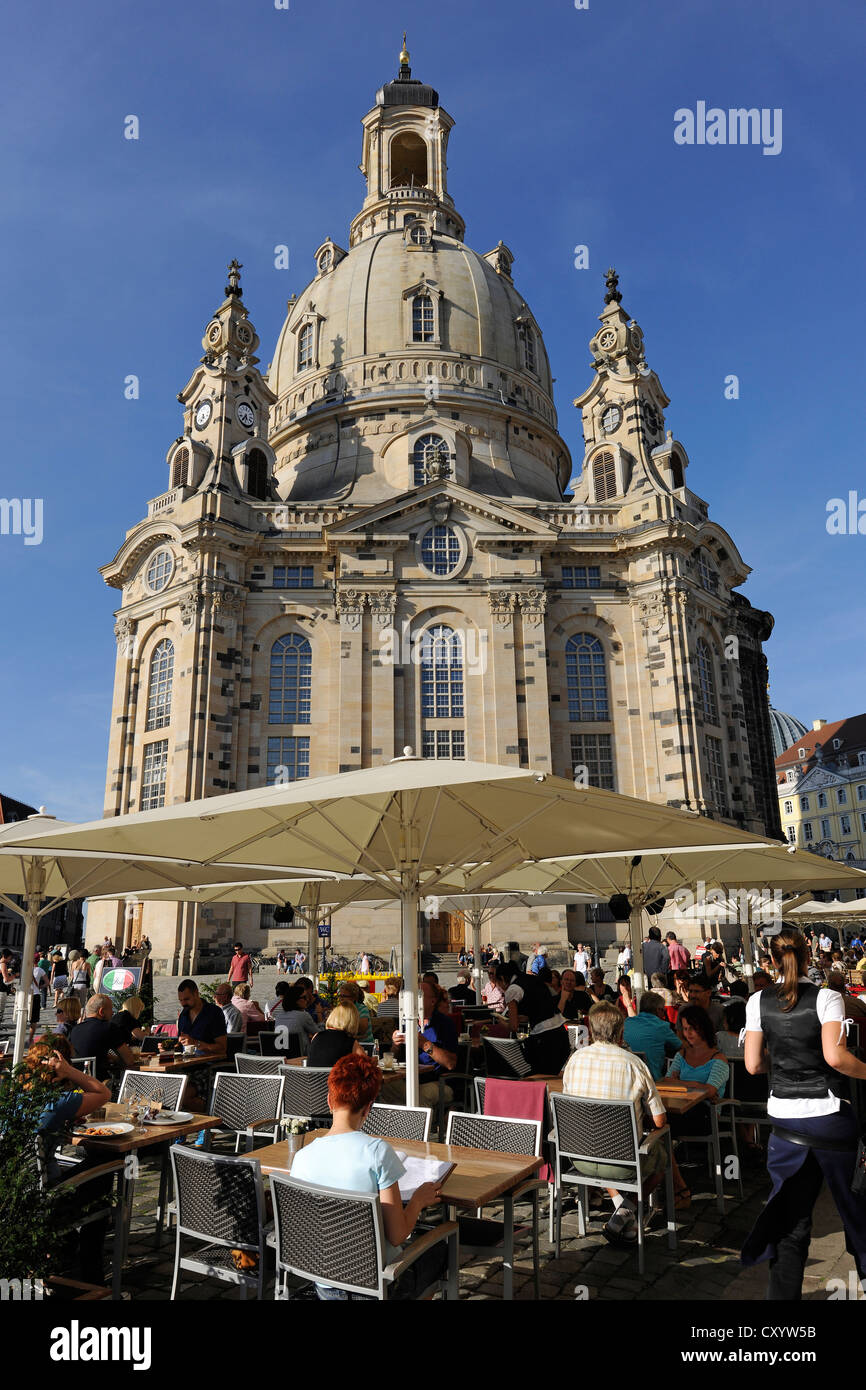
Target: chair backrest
pixel 164 1030
pixel 146 1085
pixel 505 1057
pixel 234 1045
pixel 85 1064
pixel 218 1198
pixel 603 1131
pixel 399 1122
pixel 329 1236
pixel 494 1132
pixel 306 1092
pixel 150 1044
pixel 279 1042
pixel 258 1066
pixel 238 1100
pixel 480 1083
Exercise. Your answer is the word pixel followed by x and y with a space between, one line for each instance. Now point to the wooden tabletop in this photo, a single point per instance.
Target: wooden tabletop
pixel 399 1070
pixel 676 1099
pixel 153 1134
pixel 480 1177
pixel 178 1062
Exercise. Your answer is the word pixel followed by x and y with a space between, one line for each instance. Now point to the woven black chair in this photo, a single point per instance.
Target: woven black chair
pixel 510 1137
pixel 604 1132
pixel 137 1085
pixel 249 1065
pixel 279 1042
pixel 220 1204
pixel 505 1057
pixel 306 1093
pixel 247 1104
pixel 75 1177
pixel 399 1122
pixel 337 1238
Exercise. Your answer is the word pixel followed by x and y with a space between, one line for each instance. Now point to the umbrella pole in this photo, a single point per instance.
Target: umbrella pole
pixel 476 915
pixel 749 949
pixel 22 994
pixel 634 936
pixel 409 907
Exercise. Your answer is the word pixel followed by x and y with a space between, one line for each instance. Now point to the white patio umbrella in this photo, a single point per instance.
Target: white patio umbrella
pixel 645 878
pixel 412 825
pixel 833 914
pixel 44 877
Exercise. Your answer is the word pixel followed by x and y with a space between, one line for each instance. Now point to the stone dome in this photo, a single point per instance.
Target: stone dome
pixel 360 307
pixel 785 729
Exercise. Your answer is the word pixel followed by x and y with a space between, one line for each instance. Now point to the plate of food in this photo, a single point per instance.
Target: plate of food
pixel 170 1117
pixel 103 1131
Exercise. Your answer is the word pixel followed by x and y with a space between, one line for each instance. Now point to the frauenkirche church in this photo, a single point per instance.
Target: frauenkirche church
pixel 373 545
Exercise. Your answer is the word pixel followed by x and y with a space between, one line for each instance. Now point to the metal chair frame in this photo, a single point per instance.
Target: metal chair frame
pixel 399 1122
pixel 182 1156
pixel 506 1052
pixel 254 1116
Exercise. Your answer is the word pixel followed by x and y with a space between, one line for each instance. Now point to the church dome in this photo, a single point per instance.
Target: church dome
pixel 785 729
pixel 362 308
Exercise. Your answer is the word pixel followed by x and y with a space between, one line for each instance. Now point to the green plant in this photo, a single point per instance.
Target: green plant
pixel 329 984
pixel 207 991
pixel 30 1231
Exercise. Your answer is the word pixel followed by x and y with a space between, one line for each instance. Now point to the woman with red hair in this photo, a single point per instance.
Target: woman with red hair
pixel 350 1160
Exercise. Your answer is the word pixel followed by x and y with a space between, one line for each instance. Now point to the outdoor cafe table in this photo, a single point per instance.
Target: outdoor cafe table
pixel 676 1098
pixel 480 1177
pixel 118 1146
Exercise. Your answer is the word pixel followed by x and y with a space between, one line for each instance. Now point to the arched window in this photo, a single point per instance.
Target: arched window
pixel 586 677
pixel 159 686
pixel 257 474
pixel 291 680
pixel 707 680
pixel 180 468
pixel 429 449
pixel 422 319
pixel 305 347
pixel 528 348
pixel 604 476
pixel 441 674
pixel 419 234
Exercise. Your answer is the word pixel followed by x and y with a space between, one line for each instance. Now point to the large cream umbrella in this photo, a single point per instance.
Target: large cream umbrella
pixel 643 879
pixel 412 825
pixel 831 913
pixel 44 877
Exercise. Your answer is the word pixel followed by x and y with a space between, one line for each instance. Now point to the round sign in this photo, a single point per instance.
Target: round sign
pixel 120 978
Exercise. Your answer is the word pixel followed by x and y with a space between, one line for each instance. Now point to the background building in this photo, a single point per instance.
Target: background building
pixel 785 730
pixel 822 790
pixel 378 542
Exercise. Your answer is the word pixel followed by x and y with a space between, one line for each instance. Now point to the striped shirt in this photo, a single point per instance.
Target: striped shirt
pixel 605 1071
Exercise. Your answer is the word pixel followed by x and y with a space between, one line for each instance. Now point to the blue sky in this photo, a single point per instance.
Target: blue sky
pixel 732 261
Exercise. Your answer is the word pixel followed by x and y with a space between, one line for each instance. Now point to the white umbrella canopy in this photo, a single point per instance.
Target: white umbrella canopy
pixel 44 877
pixel 735 861
pixel 412 825
pixel 828 912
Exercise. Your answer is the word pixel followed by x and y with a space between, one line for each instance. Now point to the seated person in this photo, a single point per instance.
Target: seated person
pixel 597 987
pixel 249 1009
pixel 199 1024
pixel 463 992
pixel 659 985
pixel 315 1004
pixel 852 1006
pixel 626 1000
pixel 390 1005
pixel 346 1158
pixel 699 1062
pixel 493 995
pixel 351 993
pixel 126 1021
pixel 223 998
pixel 700 993
pixel 728 1037
pixel 574 999
pixel 606 1070
pixel 337 1039
pixel 68 1014
pixel 96 1036
pixel 292 1018
pixel 437 1051
pixel 650 1033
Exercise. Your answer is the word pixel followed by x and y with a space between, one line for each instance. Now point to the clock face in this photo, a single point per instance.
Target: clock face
pixel 203 414
pixel 245 415
pixel 213 333
pixel 606 339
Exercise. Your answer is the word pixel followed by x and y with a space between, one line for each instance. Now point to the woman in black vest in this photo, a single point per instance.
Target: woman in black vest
pixel 796 1032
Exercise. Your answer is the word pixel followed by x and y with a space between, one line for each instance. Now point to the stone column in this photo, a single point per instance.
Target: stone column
pixel 348 716
pixel 500 693
pixel 533 610
pixel 385 656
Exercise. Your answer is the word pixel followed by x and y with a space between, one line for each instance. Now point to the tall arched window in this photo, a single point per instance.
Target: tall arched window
pixel 604 476
pixel 305 347
pixel 159 686
pixel 180 468
pixel 707 680
pixel 586 676
pixel 422 319
pixel 429 449
pixel 257 474
pixel 529 348
pixel 441 674
pixel 290 681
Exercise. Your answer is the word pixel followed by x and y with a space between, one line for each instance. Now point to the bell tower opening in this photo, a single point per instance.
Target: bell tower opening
pixel 408 161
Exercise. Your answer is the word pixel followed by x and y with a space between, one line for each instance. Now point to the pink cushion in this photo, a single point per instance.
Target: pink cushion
pixel 518 1100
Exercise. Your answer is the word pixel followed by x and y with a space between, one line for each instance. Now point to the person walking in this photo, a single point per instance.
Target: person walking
pixel 240 966
pixel 796 1032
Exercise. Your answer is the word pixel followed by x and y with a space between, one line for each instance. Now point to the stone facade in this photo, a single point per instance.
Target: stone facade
pixel 379 543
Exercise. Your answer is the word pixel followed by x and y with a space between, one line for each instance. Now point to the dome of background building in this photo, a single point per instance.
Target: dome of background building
pixel 785 730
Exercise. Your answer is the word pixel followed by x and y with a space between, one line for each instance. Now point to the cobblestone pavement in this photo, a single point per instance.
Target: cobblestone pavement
pixel 705 1267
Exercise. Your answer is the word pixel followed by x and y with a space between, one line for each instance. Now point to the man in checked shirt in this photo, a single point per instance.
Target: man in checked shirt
pixel 606 1070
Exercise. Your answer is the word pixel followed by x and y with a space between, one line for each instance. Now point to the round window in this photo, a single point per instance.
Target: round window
pixel 419 234
pixel 611 418
pixel 159 571
pixel 440 550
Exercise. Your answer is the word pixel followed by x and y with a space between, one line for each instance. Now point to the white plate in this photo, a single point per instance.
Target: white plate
pixel 114 1127
pixel 171 1117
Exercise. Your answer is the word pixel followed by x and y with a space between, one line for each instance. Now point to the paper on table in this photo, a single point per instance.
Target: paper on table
pixel 421 1170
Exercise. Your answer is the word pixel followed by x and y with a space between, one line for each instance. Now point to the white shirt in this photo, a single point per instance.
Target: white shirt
pixel 515 993
pixel 581 962
pixel 825 943
pixel 830 1010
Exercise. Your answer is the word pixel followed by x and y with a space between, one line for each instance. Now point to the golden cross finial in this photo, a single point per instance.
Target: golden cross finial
pixel 404 53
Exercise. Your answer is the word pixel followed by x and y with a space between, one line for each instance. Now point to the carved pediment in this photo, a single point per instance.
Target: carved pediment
pixel 493 521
